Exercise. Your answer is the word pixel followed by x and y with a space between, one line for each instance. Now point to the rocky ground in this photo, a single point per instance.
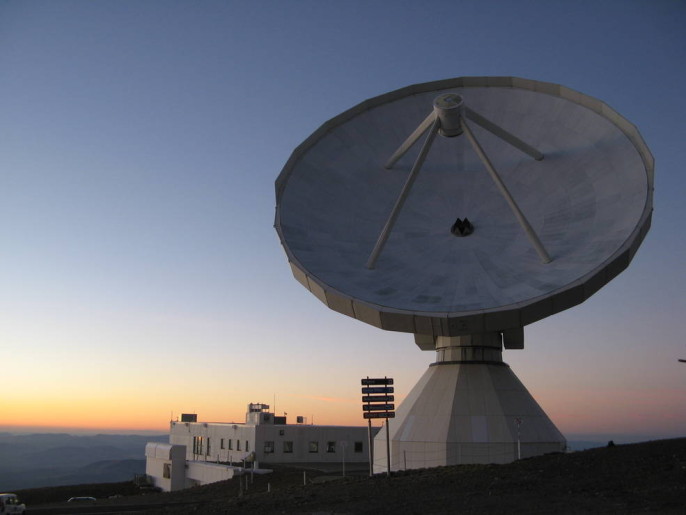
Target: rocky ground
pixel 645 477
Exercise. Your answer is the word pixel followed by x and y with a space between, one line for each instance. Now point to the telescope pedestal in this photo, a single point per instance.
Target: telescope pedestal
pixel 468 407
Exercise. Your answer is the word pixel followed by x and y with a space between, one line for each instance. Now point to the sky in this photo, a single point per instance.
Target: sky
pixel 141 276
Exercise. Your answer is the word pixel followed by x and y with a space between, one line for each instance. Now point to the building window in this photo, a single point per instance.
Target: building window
pixel 247 446
pixel 281 432
pixel 207 449
pixel 230 444
pixel 330 446
pixel 268 447
pixel 358 446
pixel 314 446
pixel 197 445
pixel 166 471
pixel 221 443
pixel 288 447
pixel 238 445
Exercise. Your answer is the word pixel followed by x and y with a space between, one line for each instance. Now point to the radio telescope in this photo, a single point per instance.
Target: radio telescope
pixel 461 211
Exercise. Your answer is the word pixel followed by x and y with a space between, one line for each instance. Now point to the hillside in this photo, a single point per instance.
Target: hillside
pixel 51 459
pixel 645 477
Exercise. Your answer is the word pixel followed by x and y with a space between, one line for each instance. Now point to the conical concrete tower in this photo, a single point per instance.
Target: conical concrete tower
pixel 468 407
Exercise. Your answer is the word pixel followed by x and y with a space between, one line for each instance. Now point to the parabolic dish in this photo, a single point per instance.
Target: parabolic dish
pixel 589 201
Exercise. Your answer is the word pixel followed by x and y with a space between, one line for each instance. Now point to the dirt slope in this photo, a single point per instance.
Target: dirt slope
pixel 645 477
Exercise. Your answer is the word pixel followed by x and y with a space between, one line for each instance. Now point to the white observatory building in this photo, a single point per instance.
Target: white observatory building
pixel 199 453
pixel 461 211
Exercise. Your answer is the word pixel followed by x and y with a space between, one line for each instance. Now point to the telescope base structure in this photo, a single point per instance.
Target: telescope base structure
pixel 464 412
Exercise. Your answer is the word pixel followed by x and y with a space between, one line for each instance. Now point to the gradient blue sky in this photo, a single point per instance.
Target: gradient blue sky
pixel 139 142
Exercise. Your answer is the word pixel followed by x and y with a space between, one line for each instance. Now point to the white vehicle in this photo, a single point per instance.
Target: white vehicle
pixel 9 504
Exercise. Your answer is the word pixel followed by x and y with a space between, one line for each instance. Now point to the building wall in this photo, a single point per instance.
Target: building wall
pixel 319 444
pixel 232 443
pixel 166 465
pixel 220 442
pixel 201 473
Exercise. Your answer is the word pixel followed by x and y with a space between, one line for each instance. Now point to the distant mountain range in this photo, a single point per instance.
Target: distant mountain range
pixel 55 459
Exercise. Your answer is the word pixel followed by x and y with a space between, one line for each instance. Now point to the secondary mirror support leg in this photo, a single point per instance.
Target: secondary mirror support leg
pixel 386 231
pixel 504 135
pixel 523 222
pixel 411 140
